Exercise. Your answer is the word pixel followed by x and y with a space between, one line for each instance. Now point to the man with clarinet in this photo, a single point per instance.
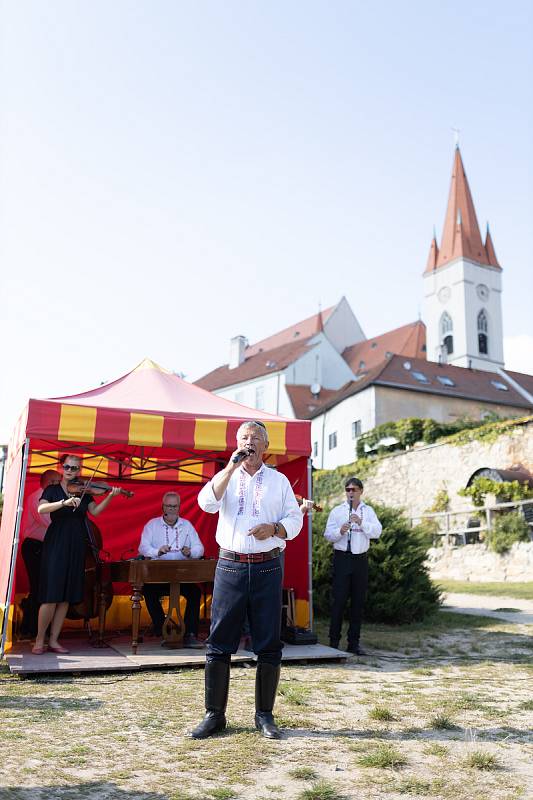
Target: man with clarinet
pixel 350 527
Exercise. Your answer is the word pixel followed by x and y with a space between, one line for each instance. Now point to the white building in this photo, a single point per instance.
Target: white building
pixel 324 369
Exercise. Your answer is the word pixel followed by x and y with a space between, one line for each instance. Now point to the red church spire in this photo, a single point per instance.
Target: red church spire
pixel 489 249
pixel 461 237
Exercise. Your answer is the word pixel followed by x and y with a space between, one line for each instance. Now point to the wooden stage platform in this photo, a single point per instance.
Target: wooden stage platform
pixel 117 657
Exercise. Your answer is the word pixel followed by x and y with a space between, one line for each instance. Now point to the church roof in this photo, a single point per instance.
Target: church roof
pixel 461 237
pixel 408 340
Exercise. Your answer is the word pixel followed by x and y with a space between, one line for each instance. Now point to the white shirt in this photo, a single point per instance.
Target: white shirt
pixel 250 500
pixel 157 533
pixel 360 535
pixel 34 525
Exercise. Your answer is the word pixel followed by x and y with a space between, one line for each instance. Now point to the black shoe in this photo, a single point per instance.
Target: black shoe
pixel 216 698
pixel 356 650
pixel 264 722
pixel 213 722
pixel 335 645
pixel 190 640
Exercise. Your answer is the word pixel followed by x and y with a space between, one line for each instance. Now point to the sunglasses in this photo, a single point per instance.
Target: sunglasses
pixel 70 468
pixel 353 489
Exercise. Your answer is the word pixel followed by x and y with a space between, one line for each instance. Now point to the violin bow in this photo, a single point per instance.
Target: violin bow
pixel 89 481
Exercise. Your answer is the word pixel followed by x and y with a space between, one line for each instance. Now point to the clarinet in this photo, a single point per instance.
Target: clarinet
pixel 349 540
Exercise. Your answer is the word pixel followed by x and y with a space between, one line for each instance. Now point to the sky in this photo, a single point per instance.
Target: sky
pixel 174 174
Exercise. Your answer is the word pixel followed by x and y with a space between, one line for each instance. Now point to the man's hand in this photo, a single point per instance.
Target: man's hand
pixel 261 532
pixel 355 518
pixel 163 550
pixel 345 528
pixel 186 551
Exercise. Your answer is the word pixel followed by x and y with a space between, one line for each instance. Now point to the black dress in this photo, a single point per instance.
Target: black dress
pixel 63 560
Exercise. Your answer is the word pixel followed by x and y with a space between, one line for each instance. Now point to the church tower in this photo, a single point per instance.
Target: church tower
pixel 462 287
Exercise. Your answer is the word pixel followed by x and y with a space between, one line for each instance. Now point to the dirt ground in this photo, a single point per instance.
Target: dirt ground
pixel 437 711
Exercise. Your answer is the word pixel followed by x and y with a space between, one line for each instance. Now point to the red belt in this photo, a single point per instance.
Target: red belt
pixel 250 558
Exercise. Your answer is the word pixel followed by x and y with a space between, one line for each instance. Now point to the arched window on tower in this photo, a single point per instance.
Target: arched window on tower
pixel 483 333
pixel 446 332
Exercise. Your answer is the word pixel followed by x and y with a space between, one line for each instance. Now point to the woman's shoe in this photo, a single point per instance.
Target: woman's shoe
pixel 38 651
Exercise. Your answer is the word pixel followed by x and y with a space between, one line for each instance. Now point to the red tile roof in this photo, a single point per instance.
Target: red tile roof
pixel 254 366
pixel 470 384
pixel 409 340
pixel 301 330
pixel 303 402
pixel 461 237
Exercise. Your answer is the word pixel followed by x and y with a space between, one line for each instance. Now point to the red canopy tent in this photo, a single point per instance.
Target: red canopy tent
pixel 149 431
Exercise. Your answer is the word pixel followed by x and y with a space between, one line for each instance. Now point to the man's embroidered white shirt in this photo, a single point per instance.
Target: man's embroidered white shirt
pixel 157 533
pixel 360 535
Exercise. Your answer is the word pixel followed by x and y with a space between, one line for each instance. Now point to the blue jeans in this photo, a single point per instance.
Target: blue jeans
pixel 246 589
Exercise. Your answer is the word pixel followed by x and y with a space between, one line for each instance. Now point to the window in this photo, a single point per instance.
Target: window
pixel 500 386
pixel 446 332
pixel 260 397
pixel 356 429
pixel 421 378
pixel 445 380
pixel 362 365
pixel 315 449
pixel 332 440
pixel 482 333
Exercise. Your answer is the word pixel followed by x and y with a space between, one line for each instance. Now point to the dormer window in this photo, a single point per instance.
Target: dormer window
pixel 500 386
pixel 421 378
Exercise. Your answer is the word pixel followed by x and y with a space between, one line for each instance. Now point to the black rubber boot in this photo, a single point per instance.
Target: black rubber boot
pixel 216 698
pixel 266 684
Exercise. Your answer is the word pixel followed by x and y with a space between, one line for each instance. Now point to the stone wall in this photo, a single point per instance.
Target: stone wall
pixel 412 479
pixel 475 563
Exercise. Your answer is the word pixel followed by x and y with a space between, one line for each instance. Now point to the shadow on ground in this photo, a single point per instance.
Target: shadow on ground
pixel 82 791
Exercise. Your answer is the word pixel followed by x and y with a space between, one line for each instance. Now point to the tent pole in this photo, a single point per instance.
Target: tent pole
pixel 14 550
pixel 310 540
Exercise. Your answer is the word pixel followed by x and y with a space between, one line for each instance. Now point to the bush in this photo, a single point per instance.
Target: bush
pixel 508 529
pixel 400 590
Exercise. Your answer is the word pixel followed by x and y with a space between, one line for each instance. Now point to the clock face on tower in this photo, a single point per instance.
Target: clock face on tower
pixel 444 294
pixel 482 291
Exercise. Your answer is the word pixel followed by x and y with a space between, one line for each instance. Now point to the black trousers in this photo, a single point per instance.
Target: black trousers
pixel 153 592
pixel 246 590
pixel 31 552
pixel 350 581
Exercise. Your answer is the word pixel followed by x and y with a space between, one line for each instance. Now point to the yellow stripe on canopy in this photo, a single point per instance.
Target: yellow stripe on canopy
pixel 77 423
pixel 210 434
pixel 146 429
pixel 276 436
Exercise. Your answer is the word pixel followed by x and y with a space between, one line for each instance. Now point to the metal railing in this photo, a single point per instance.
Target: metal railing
pixel 460 528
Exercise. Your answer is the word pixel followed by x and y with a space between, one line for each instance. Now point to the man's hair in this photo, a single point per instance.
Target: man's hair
pixel 354 482
pixel 260 426
pixel 47 475
pixel 64 457
pixel 171 494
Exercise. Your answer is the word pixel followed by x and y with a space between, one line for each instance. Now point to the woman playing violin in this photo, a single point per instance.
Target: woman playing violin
pixel 63 557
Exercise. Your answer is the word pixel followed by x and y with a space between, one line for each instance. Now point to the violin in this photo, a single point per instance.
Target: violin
pixel 77 487
pixel 300 499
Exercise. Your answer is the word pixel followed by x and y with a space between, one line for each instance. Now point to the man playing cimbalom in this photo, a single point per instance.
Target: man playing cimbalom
pixel 258 512
pixel 171 537
pixel 350 527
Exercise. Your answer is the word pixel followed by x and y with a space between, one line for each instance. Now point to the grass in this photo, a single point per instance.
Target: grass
pixel 442 722
pixel 521 591
pixel 481 759
pixel 381 713
pixel 436 749
pixel 303 774
pixel 321 790
pixel 413 786
pixel 383 756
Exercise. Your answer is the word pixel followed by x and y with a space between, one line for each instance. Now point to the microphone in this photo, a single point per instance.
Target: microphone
pixel 242 454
